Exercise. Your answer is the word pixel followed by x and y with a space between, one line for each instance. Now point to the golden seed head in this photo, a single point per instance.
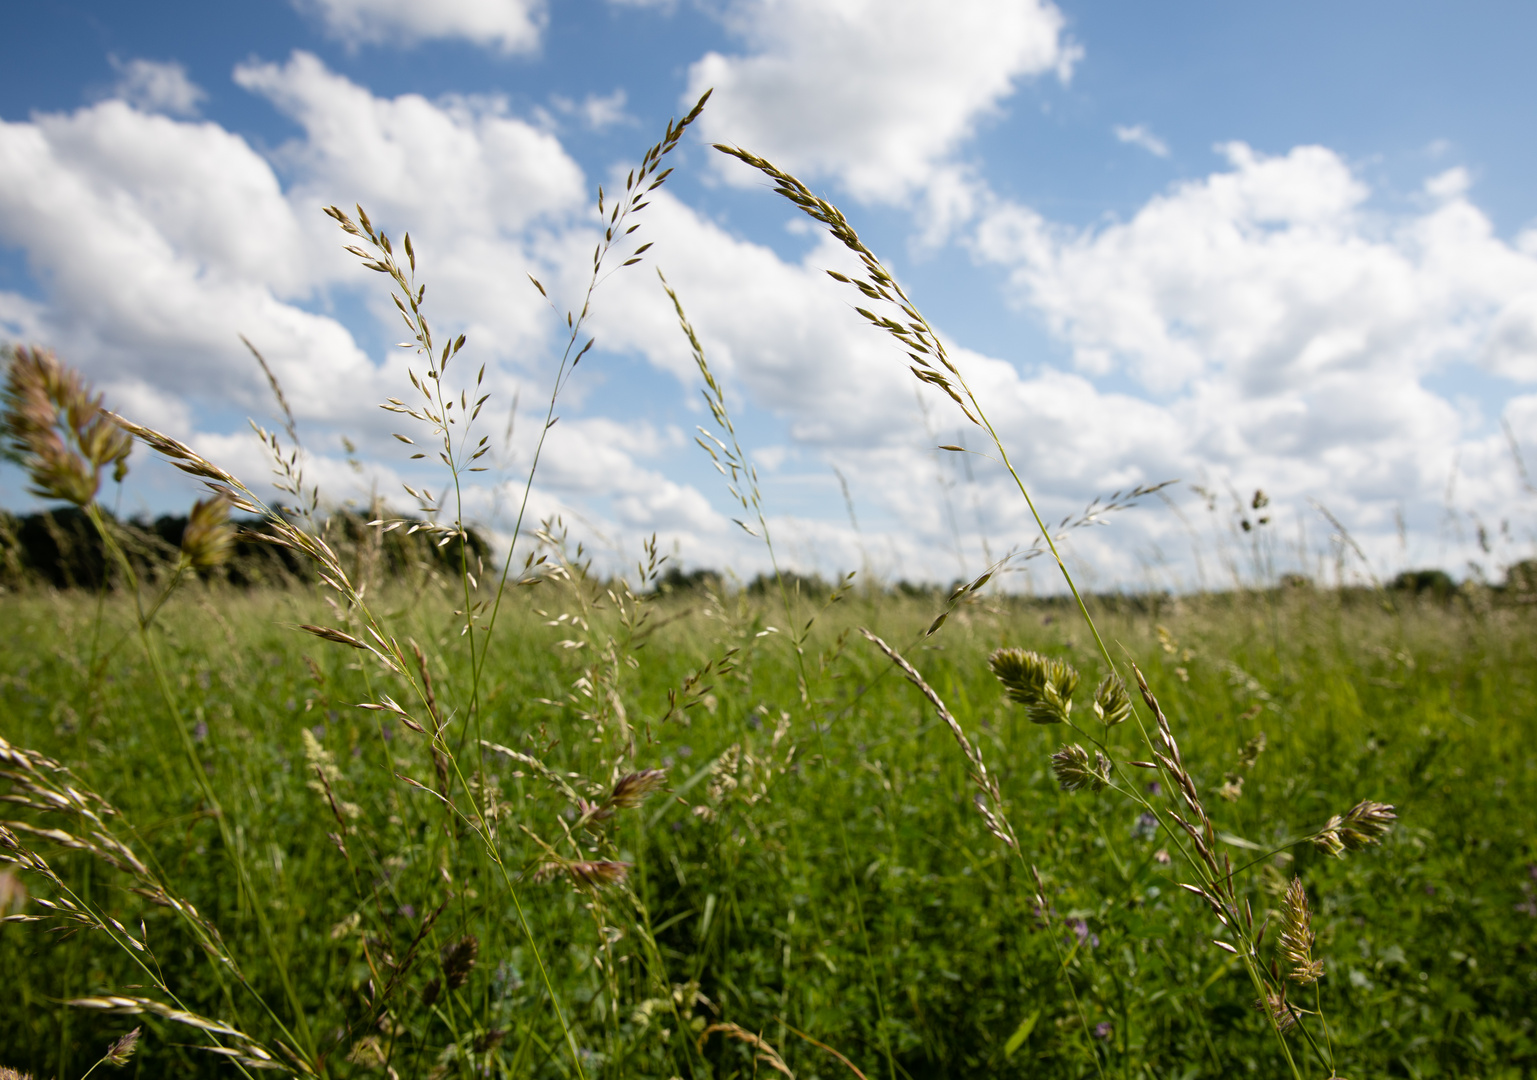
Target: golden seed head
pixel 1042 685
pixel 209 536
pixel 1075 772
pixel 1297 936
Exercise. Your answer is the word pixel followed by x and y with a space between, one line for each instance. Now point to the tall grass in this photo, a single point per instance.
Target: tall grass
pixel 540 822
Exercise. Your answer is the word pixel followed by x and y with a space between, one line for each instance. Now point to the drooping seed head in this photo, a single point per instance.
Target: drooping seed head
pixel 1365 823
pixel 1075 771
pixel 458 959
pixel 631 790
pixel 1297 936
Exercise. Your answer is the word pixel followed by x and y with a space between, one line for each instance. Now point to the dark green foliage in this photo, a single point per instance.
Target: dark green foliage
pixel 1436 582
pixel 61 548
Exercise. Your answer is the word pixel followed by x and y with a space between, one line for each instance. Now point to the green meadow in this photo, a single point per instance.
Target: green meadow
pixel 813 869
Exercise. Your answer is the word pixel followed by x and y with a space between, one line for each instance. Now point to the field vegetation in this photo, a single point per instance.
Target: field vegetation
pixel 402 806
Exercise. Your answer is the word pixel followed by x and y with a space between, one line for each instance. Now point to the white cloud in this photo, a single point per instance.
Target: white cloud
pixel 1288 330
pixel 598 112
pixel 1276 274
pixel 512 26
pixel 1273 329
pixel 156 241
pixel 1139 135
pixel 876 94
pixel 157 87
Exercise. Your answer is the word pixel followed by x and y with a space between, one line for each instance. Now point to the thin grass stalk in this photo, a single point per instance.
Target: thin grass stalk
pixel 754 499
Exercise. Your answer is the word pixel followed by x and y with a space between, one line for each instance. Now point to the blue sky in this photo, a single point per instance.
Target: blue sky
pixel 1279 246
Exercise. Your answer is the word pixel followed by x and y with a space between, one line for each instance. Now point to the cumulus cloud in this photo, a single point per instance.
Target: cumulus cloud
pixel 599 112
pixel 471 182
pixel 156 241
pixel 1290 330
pixel 1139 135
pixel 512 26
pixel 874 94
pixel 1276 273
pixel 156 86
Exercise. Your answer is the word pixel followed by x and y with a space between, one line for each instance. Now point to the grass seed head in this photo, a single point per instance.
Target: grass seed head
pixel 56 428
pixel 209 536
pixel 1364 824
pixel 458 960
pixel 632 789
pixel 1111 702
pixel 598 873
pixel 1297 936
pixel 1075 771
pixel 1043 686
pixel 8 1073
pixel 1280 1011
pixel 119 1052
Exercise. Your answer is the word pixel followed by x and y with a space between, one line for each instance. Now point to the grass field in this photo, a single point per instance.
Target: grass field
pixel 452 821
pixel 815 870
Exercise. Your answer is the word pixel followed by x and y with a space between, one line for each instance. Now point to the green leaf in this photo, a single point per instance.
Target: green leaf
pixel 1021 1033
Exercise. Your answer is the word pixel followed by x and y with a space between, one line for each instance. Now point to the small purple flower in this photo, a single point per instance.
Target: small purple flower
pixel 1154 788
pixel 1081 929
pixel 1102 1030
pixel 408 911
pixel 199 731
